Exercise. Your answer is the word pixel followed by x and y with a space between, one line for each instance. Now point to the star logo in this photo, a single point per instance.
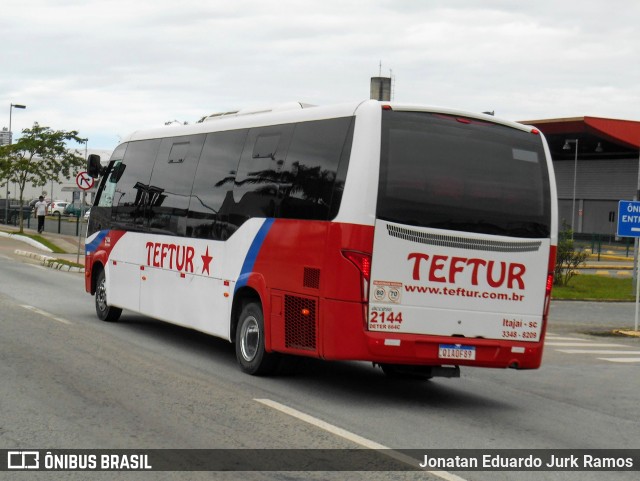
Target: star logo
pixel 206 261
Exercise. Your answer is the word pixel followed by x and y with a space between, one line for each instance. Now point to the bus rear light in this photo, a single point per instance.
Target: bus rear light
pixel 535 131
pixel 547 295
pixel 386 107
pixel 363 262
pixel 462 120
pixel 550 276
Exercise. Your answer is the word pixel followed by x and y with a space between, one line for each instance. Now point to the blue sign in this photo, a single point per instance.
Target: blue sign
pixel 628 218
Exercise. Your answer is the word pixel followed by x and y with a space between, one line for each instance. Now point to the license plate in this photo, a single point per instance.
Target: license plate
pixel 456 351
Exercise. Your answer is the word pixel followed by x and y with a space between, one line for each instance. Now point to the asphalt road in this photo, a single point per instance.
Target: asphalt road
pixel 70 381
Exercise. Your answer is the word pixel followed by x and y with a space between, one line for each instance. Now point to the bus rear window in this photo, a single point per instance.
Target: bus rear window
pixel 473 176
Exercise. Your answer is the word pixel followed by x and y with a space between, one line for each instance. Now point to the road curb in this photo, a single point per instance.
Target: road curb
pixel 26 240
pixel 50 262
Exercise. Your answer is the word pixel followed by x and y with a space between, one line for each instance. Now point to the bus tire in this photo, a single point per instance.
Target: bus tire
pixel 250 351
pixel 104 311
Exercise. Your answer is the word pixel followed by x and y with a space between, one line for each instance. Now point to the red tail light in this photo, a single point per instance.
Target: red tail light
pixel 363 262
pixel 549 286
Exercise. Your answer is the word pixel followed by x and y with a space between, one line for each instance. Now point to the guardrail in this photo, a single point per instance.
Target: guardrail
pixel 13 215
pixel 604 244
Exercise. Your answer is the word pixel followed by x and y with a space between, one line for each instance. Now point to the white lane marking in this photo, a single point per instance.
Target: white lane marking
pixel 354 438
pixel 46 314
pixel 620 359
pixel 581 344
pixel 596 351
pixel 551 337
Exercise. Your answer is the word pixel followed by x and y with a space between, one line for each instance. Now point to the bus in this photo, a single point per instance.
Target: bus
pixel 419 239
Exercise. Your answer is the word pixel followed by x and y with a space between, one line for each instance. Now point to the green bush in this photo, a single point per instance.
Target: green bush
pixel 568 259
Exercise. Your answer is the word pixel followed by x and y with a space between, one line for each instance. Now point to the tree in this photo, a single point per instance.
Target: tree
pixel 567 259
pixel 39 156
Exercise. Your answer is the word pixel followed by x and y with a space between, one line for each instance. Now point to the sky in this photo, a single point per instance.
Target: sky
pixel 109 67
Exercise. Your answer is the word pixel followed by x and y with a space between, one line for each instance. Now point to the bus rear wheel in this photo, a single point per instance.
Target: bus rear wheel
pixel 250 351
pixel 104 311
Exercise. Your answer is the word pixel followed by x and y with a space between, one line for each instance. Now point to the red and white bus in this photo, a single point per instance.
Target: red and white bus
pixel 420 239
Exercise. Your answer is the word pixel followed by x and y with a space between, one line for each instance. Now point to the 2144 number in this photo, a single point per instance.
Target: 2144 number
pixel 384 316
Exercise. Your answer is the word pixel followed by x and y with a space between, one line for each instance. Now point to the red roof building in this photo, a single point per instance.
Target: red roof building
pixel 605 168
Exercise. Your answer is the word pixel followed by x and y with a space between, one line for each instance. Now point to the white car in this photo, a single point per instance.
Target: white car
pixel 57 207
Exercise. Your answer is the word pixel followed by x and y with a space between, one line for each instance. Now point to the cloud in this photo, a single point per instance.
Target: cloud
pixel 109 67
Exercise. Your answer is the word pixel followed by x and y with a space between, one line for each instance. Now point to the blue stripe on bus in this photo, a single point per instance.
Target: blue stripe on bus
pixel 252 255
pixel 91 247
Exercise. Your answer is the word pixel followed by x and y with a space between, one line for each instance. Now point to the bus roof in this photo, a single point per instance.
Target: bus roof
pixel 300 112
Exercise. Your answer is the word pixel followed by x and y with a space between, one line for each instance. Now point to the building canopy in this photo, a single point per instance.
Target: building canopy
pixel 598 138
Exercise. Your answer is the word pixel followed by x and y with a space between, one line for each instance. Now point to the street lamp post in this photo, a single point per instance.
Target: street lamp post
pixel 575 175
pixel 6 202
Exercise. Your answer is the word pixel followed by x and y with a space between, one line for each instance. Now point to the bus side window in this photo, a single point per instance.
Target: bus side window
pixel 211 199
pixel 341 175
pixel 132 189
pixel 311 169
pixel 171 182
pixel 260 172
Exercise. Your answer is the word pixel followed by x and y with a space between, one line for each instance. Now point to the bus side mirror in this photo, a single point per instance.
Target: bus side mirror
pixel 94 169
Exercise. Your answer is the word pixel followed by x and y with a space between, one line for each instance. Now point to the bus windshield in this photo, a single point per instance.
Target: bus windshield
pixel 463 174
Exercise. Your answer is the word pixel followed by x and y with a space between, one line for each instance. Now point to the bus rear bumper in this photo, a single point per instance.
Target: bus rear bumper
pixel 426 350
pixel 346 337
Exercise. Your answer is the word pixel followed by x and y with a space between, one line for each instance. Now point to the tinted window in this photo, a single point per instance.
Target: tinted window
pixel 311 169
pixel 132 191
pixel 108 185
pixel 212 198
pixel 462 174
pixel 341 175
pixel 171 182
pixel 101 210
pixel 260 172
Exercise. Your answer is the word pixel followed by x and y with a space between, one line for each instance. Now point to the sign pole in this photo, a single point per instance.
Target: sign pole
pixel 81 219
pixel 635 325
pixel 629 226
pixel 85 182
pixel 636 244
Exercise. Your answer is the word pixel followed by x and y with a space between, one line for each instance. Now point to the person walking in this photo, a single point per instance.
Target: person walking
pixel 41 211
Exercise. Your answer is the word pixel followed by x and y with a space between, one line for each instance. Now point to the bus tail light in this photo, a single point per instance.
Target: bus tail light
pixel 549 286
pixel 363 262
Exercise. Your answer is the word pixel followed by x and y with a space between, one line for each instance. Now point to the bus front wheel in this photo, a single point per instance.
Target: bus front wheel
pixel 103 309
pixel 250 351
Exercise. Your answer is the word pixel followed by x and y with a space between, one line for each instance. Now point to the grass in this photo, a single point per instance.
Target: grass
pixel 589 287
pixel 54 248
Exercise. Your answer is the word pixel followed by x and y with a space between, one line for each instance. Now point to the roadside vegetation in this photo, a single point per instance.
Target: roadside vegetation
pixel 38 157
pixel 569 284
pixel 592 287
pixel 568 258
pixel 54 248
